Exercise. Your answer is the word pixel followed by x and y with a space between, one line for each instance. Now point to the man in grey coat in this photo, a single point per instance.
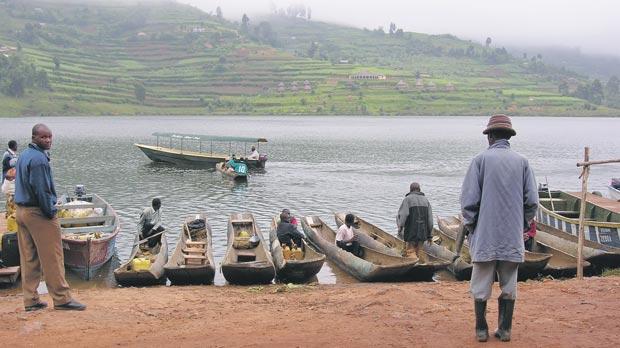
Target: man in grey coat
pixel 415 220
pixel 498 198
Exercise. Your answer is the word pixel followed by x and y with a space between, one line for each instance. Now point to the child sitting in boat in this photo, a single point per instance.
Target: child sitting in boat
pixel 345 237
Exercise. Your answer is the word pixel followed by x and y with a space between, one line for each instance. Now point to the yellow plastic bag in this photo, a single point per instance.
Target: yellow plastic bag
pixel 11 224
pixel 140 264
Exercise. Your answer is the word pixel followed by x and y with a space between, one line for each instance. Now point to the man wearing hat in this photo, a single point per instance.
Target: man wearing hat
pixel 498 198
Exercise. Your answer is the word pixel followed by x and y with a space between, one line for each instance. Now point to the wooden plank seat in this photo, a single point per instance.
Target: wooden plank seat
pixel 80 206
pixel 106 220
pixel 195 243
pixel 194 250
pixel 195 257
pixel 242 221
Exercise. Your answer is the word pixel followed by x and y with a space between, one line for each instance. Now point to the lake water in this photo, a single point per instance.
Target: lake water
pixel 317 165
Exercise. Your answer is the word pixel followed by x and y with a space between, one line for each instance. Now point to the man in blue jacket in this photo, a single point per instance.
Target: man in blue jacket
pixel 38 229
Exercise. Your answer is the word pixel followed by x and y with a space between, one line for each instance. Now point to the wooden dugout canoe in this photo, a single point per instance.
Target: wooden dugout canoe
pixel 435 259
pixel 533 265
pixel 181 272
pixel 374 266
pixel 126 276
pixel 247 266
pixel 296 271
pixel 599 255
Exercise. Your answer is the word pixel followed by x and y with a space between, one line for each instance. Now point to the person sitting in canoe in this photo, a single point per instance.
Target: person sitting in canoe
pixel 150 223
pixel 254 155
pixel 287 232
pixel 345 237
pixel 291 218
pixel 528 235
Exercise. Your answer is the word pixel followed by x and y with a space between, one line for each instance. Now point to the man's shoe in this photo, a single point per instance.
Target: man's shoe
pixel 72 305
pixel 36 306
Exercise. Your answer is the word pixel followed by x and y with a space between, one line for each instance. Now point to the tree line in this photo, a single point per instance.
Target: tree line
pixel 16 75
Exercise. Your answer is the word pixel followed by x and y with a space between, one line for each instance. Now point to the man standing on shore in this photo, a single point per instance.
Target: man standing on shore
pixel 415 220
pixel 498 198
pixel 9 158
pixel 38 229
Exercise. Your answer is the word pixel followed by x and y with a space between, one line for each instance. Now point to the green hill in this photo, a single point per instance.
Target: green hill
pixel 63 58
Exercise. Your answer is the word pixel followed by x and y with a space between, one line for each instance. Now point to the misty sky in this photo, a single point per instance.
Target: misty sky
pixel 593 26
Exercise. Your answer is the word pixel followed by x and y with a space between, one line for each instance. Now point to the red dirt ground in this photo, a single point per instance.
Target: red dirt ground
pixel 548 314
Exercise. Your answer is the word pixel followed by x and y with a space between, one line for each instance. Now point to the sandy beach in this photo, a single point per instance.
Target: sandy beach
pixel 549 313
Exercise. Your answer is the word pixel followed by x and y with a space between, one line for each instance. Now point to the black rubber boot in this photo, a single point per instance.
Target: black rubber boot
pixel 504 319
pixel 482 329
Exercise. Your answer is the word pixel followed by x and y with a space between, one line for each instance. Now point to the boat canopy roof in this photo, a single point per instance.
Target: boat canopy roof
pixel 210 137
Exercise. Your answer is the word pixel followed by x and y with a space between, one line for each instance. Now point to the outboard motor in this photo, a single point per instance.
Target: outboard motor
pixel 79 191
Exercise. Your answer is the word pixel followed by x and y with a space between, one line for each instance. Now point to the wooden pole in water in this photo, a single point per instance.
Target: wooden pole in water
pixel 582 212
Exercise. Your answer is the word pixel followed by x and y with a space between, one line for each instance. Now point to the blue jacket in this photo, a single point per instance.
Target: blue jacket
pixel 34 186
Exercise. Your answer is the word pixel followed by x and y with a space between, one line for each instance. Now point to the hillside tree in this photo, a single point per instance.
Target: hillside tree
pixel 218 12
pixel 140 92
pixel 392 28
pixel 613 86
pixel 56 62
pixel 245 23
pixel 309 12
pixel 488 42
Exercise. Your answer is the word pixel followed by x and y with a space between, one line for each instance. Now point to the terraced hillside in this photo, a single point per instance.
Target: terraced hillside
pixel 167 58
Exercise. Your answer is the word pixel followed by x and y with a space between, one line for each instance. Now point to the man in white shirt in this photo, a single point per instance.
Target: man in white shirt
pixel 150 223
pixel 254 155
pixel 345 237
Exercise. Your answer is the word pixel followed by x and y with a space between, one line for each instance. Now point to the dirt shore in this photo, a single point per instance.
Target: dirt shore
pixel 548 314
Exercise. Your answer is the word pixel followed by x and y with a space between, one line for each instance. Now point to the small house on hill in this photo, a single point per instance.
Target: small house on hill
pixel 450 87
pixel 365 75
pixel 402 85
pixel 419 84
pixel 431 86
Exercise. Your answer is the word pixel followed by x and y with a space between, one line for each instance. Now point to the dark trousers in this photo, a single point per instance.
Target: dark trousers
pixel 529 244
pixel 289 239
pixel 148 230
pixel 353 247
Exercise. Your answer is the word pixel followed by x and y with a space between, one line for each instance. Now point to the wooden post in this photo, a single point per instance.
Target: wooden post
pixel 582 212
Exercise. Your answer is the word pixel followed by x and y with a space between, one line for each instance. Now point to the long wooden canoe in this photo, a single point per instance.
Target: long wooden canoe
pixel 560 210
pixel 435 259
pixel 599 255
pixel 247 266
pixel 533 265
pixel 192 259
pixel 374 266
pixel 296 271
pixel 88 242
pixel 126 276
pixel 221 167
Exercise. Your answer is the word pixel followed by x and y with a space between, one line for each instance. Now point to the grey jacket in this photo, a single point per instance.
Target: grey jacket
pixel 498 197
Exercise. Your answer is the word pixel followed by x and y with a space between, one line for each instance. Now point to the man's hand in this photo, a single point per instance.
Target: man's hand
pixel 526 237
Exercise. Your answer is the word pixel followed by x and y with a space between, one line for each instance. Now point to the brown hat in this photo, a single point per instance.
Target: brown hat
pixel 500 122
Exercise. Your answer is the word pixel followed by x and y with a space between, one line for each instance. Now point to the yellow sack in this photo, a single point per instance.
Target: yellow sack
pixel 11 224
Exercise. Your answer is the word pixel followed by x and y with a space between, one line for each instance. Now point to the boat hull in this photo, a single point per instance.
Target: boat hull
pixel 152 276
pixel 191 274
pixel 390 269
pixel 86 257
pixel 238 270
pixel 380 240
pixel 191 158
pixel 295 271
pixel 614 193
pixel 534 263
pixel 564 216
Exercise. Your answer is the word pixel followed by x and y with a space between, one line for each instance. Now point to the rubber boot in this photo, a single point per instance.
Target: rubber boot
pixel 504 319
pixel 482 329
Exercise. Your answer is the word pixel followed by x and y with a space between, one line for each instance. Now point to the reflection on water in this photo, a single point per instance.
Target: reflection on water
pixel 317 165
